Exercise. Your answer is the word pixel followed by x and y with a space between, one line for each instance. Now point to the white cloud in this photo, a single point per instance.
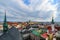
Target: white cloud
pixel 39 7
pixel 45 6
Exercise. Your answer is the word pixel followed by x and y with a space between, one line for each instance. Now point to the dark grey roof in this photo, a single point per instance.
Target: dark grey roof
pixel 12 34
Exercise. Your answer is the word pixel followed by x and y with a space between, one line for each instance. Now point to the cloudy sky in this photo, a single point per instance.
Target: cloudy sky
pixel 34 10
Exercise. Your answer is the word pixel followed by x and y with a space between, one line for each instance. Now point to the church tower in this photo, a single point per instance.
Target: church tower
pixel 5 25
pixel 52 24
pixel 52 21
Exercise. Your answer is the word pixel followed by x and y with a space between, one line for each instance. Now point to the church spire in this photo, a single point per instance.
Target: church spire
pixel 5 25
pixel 52 20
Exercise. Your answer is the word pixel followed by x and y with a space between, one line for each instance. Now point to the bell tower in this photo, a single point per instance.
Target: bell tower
pixel 5 25
pixel 52 24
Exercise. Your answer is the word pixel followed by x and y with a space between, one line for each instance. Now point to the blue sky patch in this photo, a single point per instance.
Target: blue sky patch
pixel 27 2
pixel 54 1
